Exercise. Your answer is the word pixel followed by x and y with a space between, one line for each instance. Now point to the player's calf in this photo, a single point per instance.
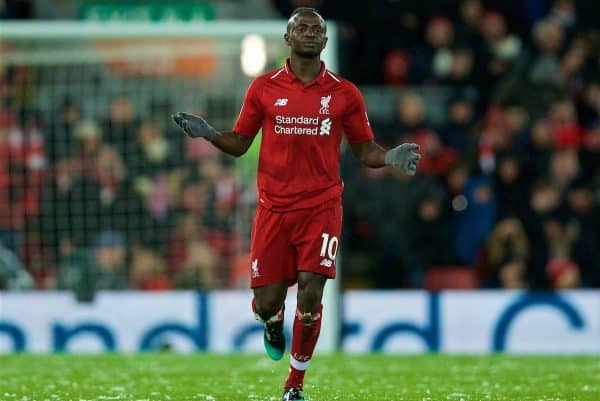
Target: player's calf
pixel 274 337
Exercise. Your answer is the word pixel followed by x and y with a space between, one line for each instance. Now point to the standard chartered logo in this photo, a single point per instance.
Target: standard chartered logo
pixel 302 125
pixel 325 126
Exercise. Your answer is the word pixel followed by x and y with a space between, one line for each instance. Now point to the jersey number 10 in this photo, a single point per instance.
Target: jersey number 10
pixel 330 245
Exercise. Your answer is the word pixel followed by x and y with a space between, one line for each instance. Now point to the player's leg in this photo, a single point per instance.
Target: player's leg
pixel 316 240
pixel 307 326
pixel 268 308
pixel 272 264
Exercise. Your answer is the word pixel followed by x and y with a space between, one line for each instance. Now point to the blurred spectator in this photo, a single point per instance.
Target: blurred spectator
pixel 22 163
pixel 103 267
pixel 564 168
pixel 545 204
pixel 431 238
pixel 566 131
pixel 396 67
pixel 501 48
pixel 192 262
pixel 502 261
pixel 588 105
pixel 540 147
pixel 474 214
pixel 517 127
pixel 120 126
pixel 366 228
pixel 462 69
pixel 565 13
pixel 409 118
pixel 109 258
pixel 573 66
pixel 88 141
pixel 549 39
pixel 147 271
pixel 458 130
pixel 437 158
pixel 433 60
pixel 535 81
pixel 456 180
pixel 198 262
pixel 61 132
pixel 58 206
pixel 590 155
pixel 152 154
pixel 13 276
pixel 393 206
pixel 219 217
pixel 585 213
pixel 511 186
pixel 561 269
pixel 469 15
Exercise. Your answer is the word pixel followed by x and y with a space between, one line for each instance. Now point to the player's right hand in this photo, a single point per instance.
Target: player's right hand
pixel 194 126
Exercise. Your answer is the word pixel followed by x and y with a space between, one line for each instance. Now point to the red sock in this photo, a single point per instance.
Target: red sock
pixel 304 340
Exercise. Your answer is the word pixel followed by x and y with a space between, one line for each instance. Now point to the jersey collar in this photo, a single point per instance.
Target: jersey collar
pixel 321 79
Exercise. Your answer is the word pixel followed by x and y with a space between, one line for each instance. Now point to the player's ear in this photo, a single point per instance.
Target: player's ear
pixel 286 37
pixel 325 41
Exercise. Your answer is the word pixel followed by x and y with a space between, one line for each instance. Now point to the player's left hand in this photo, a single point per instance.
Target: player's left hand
pixel 404 157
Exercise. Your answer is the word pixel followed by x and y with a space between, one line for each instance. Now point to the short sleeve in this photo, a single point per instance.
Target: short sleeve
pixel 251 115
pixel 355 121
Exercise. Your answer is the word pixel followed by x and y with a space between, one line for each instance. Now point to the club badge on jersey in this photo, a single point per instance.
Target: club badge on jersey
pixel 325 104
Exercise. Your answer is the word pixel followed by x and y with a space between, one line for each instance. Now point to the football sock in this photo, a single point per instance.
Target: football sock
pixel 307 327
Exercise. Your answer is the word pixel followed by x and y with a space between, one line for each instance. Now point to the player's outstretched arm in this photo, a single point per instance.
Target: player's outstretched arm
pixel 197 127
pixel 403 157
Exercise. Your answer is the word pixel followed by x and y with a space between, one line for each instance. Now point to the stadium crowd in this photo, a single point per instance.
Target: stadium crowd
pixel 509 185
pixel 508 188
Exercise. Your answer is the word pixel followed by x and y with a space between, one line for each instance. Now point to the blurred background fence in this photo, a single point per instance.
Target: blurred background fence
pixel 101 190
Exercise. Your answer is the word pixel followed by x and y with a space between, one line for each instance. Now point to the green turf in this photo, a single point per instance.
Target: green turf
pixel 340 377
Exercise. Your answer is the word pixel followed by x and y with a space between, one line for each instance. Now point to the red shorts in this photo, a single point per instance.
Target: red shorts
pixel 284 243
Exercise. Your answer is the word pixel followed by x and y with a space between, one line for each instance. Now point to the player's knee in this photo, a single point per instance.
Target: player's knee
pixel 309 298
pixel 267 306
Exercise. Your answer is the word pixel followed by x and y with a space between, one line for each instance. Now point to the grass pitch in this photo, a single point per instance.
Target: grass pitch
pixel 209 377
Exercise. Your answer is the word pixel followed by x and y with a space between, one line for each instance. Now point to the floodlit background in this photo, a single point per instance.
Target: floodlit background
pixel 99 191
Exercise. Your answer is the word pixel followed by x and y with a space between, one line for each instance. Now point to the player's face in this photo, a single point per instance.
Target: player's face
pixel 307 35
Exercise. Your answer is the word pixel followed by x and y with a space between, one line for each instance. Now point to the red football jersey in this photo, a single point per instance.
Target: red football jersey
pixel 302 125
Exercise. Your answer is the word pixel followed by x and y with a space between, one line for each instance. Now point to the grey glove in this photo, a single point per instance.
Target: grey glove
pixel 194 126
pixel 404 157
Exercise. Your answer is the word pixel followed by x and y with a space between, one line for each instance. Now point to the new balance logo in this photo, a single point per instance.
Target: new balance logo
pixel 326 263
pixel 281 102
pixel 325 127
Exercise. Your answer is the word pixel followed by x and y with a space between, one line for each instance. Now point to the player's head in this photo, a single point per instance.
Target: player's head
pixel 306 33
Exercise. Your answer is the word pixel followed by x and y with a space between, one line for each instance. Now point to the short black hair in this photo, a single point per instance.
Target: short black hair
pixel 303 10
pixel 300 10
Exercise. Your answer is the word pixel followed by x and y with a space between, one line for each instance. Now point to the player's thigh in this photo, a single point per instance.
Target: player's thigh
pixel 310 290
pixel 272 259
pixel 318 240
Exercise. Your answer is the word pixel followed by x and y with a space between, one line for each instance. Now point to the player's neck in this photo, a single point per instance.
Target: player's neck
pixel 306 69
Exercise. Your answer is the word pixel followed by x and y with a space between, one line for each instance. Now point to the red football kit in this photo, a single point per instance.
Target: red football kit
pixel 299 215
